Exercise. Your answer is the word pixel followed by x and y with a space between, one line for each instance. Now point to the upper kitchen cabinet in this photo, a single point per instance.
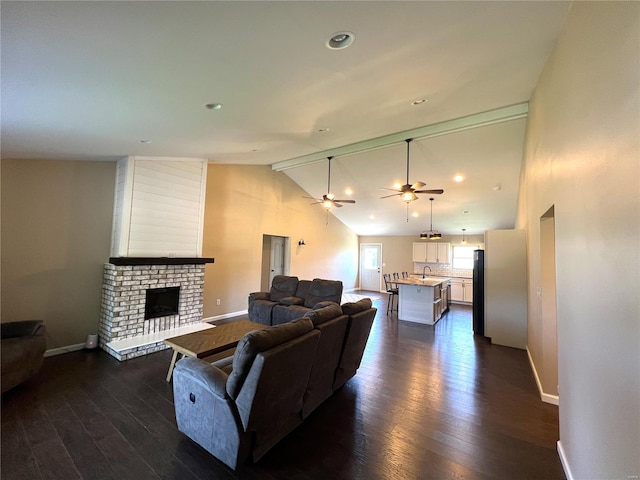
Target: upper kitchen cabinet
pixel 438 252
pixel 419 252
pixel 432 252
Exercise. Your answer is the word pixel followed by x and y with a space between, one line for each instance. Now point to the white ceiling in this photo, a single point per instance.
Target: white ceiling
pixel 90 80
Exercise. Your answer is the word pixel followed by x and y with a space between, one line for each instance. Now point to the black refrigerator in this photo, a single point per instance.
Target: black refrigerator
pixel 478 292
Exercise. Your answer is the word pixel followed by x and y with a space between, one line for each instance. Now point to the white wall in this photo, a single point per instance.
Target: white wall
pixel 582 157
pixel 505 288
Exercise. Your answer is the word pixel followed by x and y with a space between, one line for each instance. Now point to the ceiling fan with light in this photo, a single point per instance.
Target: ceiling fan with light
pixel 408 192
pixel 328 200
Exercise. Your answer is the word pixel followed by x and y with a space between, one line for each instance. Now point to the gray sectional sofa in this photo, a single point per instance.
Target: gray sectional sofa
pixel 239 407
pixel 290 298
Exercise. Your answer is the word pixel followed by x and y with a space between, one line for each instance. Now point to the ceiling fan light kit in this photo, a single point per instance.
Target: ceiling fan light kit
pixel 407 192
pixel 328 200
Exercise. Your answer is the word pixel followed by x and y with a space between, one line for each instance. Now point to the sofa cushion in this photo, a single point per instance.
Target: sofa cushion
pixel 352 308
pixel 321 315
pixel 291 301
pixel 258 341
pixel 323 290
pixel 283 286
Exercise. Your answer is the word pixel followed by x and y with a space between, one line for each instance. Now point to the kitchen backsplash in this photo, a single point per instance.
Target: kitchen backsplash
pixel 442 270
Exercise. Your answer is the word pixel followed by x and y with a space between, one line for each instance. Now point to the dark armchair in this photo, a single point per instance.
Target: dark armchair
pixel 23 347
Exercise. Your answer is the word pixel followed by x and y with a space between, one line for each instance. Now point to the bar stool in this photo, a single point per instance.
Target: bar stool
pixel 391 290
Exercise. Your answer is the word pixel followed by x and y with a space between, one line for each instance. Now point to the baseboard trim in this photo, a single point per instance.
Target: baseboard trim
pixel 564 461
pixel 225 315
pixel 60 350
pixel 545 397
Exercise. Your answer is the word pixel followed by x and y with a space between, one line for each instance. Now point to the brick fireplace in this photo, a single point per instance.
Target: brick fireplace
pixel 123 330
pixel 156 243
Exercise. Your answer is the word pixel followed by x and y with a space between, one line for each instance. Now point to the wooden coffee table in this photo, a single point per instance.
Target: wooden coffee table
pixel 210 341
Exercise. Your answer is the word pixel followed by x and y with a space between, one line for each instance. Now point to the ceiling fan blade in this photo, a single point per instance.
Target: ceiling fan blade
pixel 344 201
pixel 392 189
pixel 436 192
pixel 392 195
pixel 336 204
pixel 418 185
pixel 313 198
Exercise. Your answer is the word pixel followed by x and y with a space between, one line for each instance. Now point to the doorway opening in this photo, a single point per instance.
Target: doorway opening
pixel 275 259
pixel 548 312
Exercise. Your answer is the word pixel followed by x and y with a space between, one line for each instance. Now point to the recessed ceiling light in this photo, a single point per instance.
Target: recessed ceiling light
pixel 372 217
pixel 458 178
pixel 418 102
pixel 145 141
pixel 322 130
pixel 397 185
pixel 348 191
pixel 213 106
pixel 497 187
pixel 415 214
pixel 465 212
pixel 340 40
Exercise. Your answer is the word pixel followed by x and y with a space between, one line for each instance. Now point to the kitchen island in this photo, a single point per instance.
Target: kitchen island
pixel 420 299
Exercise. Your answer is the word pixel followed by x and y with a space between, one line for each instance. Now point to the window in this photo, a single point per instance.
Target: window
pixel 463 257
pixel 371 258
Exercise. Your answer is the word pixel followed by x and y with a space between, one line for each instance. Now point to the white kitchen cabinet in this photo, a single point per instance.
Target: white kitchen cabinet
pixel 432 252
pixel 419 252
pixel 461 290
pixel 444 249
pixel 468 291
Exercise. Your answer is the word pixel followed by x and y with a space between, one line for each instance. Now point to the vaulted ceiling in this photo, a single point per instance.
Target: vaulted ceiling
pixel 103 80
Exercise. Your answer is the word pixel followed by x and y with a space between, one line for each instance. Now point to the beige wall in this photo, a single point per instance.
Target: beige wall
pixel 56 235
pixel 582 157
pixel 244 203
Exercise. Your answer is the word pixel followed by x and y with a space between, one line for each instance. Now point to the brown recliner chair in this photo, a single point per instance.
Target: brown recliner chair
pixel 23 347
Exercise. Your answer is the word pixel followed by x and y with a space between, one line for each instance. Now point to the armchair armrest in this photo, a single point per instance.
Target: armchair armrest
pixel 259 296
pixel 203 373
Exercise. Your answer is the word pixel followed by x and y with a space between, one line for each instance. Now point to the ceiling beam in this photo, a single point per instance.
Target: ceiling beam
pixel 499 115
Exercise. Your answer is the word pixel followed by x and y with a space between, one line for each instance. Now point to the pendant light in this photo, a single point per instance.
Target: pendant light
pixel 464 242
pixel 433 234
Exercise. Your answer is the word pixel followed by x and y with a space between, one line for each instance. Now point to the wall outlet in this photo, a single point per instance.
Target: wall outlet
pixel 218 301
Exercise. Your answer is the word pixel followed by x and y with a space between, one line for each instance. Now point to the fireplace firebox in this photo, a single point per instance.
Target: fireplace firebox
pixel 161 302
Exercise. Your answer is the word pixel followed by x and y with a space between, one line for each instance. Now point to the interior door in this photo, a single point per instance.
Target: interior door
pixel 277 258
pixel 370 266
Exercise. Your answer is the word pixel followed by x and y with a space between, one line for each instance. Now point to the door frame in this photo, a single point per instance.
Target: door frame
pixel 265 283
pixel 379 265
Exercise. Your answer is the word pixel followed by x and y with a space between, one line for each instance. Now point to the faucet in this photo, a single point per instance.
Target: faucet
pixel 423 269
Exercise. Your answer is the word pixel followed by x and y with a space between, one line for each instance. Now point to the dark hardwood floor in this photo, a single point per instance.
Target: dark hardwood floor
pixel 427 403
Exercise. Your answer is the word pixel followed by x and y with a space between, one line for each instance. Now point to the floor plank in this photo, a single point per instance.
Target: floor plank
pixel 428 402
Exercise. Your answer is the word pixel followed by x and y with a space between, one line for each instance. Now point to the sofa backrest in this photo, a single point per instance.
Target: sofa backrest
pixel 322 290
pixel 332 325
pixel 283 286
pixel 361 315
pixel 259 341
pixel 271 369
pixel 323 314
pixel 303 289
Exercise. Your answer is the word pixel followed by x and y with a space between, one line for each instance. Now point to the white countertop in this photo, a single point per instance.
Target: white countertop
pixel 423 282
